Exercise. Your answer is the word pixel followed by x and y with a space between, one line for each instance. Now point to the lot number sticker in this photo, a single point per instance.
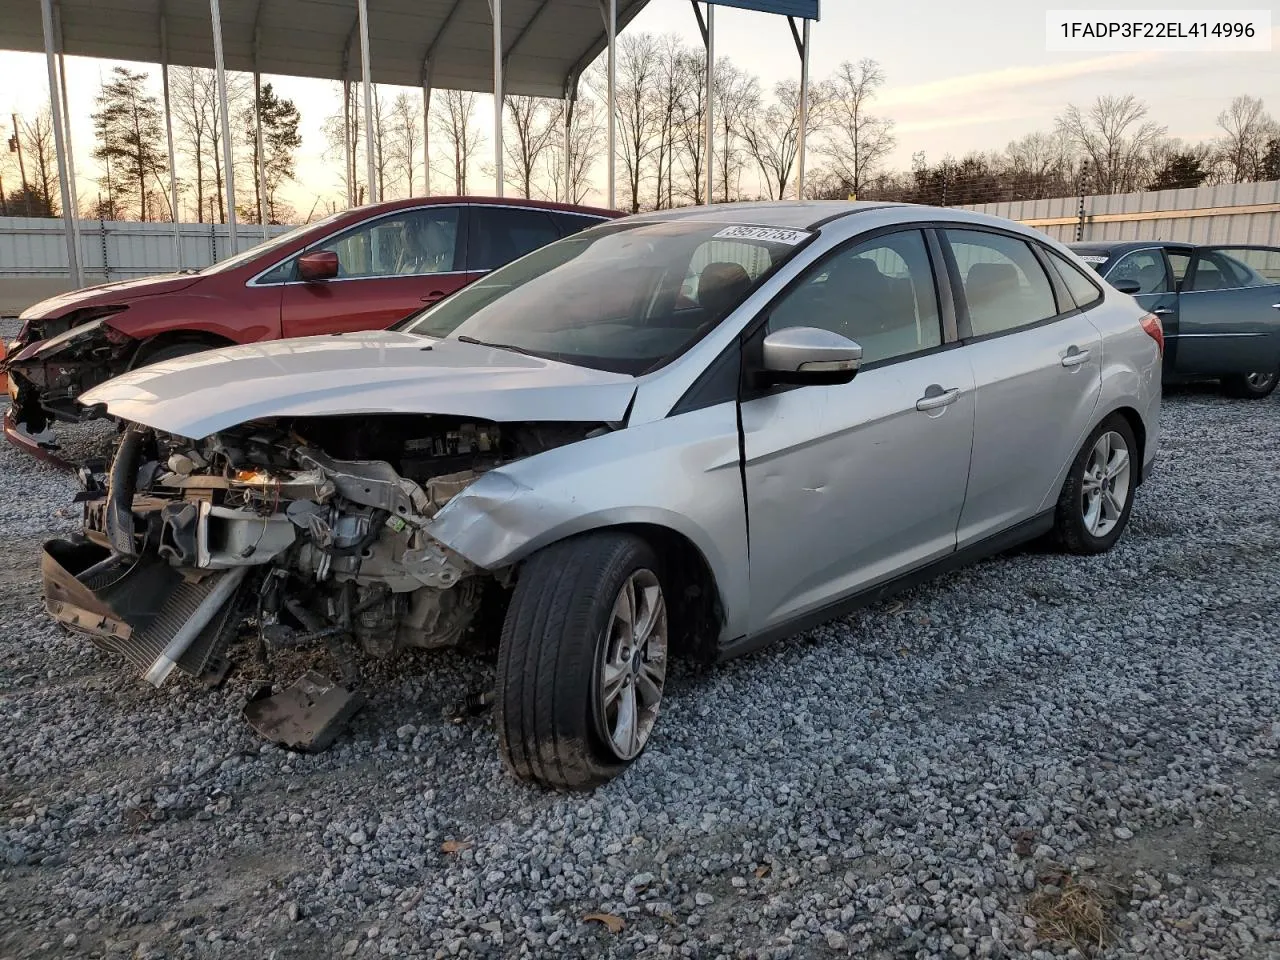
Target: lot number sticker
pixel 765 234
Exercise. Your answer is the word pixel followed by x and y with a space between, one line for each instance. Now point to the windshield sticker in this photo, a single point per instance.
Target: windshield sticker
pixel 1094 258
pixel 765 234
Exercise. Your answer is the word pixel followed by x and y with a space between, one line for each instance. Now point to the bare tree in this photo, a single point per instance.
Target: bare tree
pixel 737 96
pixel 671 89
pixel 857 141
pixel 586 134
pixel 198 133
pixel 772 135
pixel 1247 129
pixel 404 138
pixel 455 124
pixel 1115 136
pixel 1038 165
pixel 41 159
pixel 691 124
pixel 531 130
pixel 638 122
pixel 342 135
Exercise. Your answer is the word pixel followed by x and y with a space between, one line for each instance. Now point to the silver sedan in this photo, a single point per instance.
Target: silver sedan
pixel 683 433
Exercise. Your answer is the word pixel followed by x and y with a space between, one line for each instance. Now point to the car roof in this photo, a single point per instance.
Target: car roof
pixel 1123 246
pixel 389 206
pixel 811 214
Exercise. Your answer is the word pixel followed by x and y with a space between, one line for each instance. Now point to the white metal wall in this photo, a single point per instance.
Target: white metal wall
pixel 1229 213
pixel 115 250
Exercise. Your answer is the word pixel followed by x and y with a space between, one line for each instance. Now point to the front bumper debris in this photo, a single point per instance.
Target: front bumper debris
pixel 307 716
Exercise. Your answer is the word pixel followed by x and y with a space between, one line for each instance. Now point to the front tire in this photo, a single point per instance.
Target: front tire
pixel 1097 497
pixel 582 661
pixel 1251 386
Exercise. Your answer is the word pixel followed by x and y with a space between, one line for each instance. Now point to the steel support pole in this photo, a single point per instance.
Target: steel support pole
pixel 257 136
pixel 711 101
pixel 168 132
pixel 611 28
pixel 215 14
pixel 59 145
pixel 347 159
pixel 804 111
pixel 66 120
pixel 426 139
pixel 567 196
pixel 371 168
pixel 495 7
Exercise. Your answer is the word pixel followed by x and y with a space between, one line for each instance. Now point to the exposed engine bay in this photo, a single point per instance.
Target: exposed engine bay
pixel 287 534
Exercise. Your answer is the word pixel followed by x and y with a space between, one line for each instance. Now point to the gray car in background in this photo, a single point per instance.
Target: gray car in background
pixel 681 433
pixel 1219 306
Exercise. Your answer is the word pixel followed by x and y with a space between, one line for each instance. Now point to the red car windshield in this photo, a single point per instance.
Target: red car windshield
pixel 626 297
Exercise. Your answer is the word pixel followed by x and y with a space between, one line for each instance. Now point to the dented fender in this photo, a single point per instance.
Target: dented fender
pixel 643 474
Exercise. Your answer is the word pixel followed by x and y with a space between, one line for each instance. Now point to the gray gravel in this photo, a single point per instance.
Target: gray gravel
pixel 908 782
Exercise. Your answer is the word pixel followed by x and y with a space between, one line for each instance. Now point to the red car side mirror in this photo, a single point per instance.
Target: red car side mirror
pixel 318 265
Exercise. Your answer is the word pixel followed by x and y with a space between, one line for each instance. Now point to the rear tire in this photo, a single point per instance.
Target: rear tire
pixel 1251 386
pixel 1097 497
pixel 569 666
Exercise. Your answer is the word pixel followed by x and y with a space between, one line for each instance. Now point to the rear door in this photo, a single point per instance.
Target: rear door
pixel 388 267
pixel 1037 367
pixel 1230 312
pixel 1158 271
pixel 498 234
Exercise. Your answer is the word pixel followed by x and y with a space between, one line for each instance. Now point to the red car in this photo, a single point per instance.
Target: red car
pixel 361 269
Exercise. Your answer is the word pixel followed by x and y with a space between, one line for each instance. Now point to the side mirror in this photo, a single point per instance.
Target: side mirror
pixel 318 265
pixel 809 355
pixel 1128 285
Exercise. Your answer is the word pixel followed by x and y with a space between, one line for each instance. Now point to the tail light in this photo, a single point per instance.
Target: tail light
pixel 1155 330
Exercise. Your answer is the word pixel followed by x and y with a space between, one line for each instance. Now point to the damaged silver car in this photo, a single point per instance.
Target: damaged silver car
pixel 683 433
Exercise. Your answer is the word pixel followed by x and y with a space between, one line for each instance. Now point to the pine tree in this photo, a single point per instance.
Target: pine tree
pixel 130 131
pixel 280 139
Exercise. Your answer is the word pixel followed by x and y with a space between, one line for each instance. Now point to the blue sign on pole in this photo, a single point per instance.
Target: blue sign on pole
pixel 808 9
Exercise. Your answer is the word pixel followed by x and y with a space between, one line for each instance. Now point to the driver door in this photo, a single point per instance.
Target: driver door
pixel 388 268
pixel 851 484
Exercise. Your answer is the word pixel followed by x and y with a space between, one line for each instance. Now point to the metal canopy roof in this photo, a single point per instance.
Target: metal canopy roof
pixel 545 42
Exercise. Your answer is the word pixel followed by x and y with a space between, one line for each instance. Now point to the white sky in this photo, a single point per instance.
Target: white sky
pixel 960 77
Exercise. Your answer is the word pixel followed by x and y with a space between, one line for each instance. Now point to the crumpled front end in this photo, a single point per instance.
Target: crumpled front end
pixel 310 534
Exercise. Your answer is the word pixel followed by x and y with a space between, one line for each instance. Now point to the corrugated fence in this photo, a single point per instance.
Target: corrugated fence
pixel 1245 213
pixel 115 250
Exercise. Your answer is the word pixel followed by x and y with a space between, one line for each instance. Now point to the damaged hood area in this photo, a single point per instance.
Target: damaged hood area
pixel 363 373
pixel 120 291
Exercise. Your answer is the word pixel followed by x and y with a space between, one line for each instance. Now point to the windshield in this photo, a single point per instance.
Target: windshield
pixel 625 297
pixel 268 245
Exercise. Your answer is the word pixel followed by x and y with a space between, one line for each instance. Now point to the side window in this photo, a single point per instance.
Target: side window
pixel 405 244
pixel 1179 261
pixel 1217 271
pixel 571 223
pixel 717 264
pixel 879 293
pixel 499 235
pixel 1004 284
pixel 1146 267
pixel 1253 266
pixel 1084 292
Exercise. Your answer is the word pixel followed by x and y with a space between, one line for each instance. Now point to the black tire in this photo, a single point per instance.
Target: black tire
pixel 1252 386
pixel 553 639
pixel 1071 528
pixel 169 351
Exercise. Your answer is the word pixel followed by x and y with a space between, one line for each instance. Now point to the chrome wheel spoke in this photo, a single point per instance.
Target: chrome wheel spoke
pixel 632 665
pixel 1104 487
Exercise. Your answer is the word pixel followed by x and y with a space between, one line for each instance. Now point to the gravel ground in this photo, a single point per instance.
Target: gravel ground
pixel 946 775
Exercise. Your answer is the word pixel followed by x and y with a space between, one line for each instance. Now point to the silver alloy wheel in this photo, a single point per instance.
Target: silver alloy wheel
pixel 1105 489
pixel 1259 381
pixel 633 667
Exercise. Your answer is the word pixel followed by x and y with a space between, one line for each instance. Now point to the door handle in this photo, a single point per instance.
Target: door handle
pixel 1165 311
pixel 1275 306
pixel 433 296
pixel 935 400
pixel 1074 359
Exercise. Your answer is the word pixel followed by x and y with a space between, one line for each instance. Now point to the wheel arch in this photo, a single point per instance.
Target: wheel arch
pixel 1139 428
pixel 154 344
